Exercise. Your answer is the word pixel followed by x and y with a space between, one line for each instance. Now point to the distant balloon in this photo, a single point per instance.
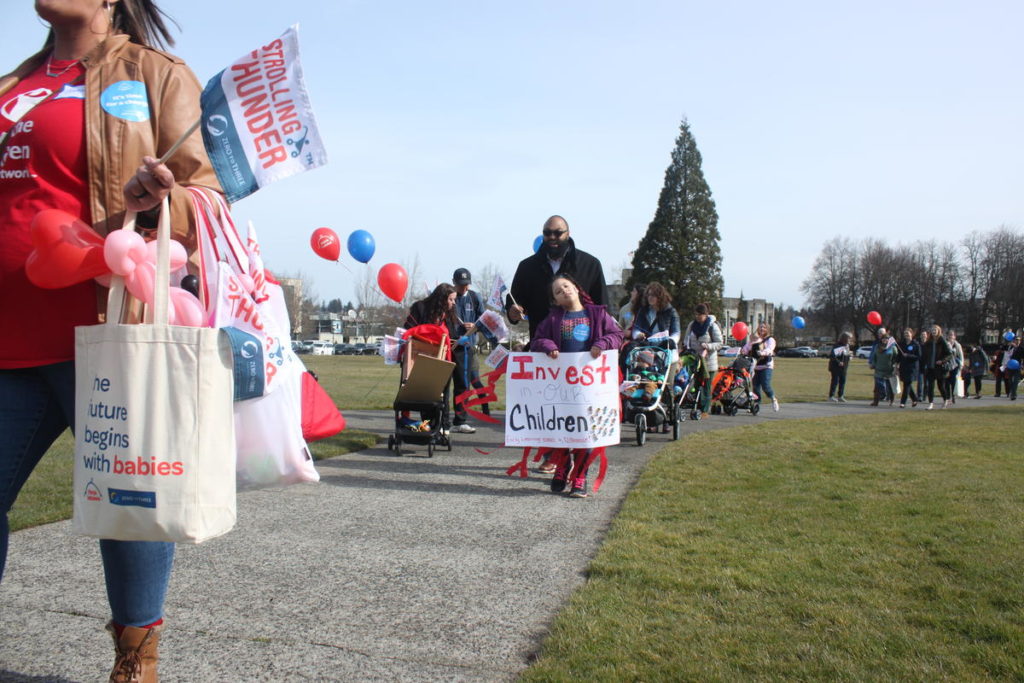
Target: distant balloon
pixel 874 318
pixel 1009 336
pixel 393 281
pixel 537 242
pixel 799 323
pixel 326 244
pixel 361 246
pixel 740 330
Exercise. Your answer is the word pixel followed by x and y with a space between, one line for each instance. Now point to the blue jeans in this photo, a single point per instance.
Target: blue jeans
pixel 36 406
pixel 763 383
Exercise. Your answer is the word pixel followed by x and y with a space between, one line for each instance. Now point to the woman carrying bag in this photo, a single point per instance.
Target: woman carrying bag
pixel 83 113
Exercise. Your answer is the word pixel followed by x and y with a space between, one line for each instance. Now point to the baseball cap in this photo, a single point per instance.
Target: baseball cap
pixel 462 277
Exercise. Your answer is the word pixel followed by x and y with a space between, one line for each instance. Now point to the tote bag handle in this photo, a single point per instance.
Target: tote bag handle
pixel 157 314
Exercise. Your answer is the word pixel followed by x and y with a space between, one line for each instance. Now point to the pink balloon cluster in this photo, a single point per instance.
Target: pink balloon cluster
pixel 134 259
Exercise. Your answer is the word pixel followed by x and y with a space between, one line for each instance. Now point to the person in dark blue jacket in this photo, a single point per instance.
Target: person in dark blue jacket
pixel 909 368
pixel 468 309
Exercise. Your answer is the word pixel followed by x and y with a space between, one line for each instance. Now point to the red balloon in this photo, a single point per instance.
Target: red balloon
pixel 67 251
pixel 739 330
pixel 393 281
pixel 874 318
pixel 326 244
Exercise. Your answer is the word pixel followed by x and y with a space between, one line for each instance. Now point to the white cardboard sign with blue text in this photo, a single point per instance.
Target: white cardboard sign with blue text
pixel 568 402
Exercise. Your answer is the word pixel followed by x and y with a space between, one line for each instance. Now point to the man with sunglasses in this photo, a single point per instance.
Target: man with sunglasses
pixel 531 289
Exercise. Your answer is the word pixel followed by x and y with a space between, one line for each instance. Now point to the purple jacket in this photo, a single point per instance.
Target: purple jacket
pixel 605 333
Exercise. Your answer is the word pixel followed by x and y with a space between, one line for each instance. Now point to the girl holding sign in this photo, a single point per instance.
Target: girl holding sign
pixel 574 324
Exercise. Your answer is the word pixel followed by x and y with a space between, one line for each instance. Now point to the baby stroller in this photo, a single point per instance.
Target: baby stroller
pixel 646 402
pixel 731 388
pixel 426 374
pixel 687 387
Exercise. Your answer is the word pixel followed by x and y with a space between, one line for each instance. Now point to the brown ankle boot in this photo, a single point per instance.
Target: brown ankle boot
pixel 136 654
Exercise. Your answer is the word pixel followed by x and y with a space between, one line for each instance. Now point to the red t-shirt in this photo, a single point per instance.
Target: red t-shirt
pixel 43 166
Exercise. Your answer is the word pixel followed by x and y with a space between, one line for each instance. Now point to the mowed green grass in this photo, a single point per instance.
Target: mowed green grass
pixel 870 547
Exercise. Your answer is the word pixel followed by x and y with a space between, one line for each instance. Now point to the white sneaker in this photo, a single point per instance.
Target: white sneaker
pixel 775 404
pixel 930 406
pixel 833 399
pixel 464 429
pixel 842 399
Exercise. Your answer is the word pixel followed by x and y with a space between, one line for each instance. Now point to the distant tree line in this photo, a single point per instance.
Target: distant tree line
pixel 973 286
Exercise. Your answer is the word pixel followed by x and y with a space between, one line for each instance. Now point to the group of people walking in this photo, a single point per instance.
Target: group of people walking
pixel 914 365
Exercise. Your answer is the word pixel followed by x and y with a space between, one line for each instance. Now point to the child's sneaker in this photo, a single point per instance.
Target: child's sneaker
pixel 579 488
pixel 561 478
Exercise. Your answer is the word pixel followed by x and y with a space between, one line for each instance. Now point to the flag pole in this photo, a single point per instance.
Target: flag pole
pixel 174 148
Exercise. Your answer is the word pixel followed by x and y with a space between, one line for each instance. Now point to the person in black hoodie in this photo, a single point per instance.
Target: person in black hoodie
pixel 530 297
pixel 838 362
pixel 910 358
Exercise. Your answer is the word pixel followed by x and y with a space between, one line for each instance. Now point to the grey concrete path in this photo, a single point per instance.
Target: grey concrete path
pixel 390 569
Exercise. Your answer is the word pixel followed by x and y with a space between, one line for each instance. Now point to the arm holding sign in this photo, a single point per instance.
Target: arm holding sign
pixel 607 333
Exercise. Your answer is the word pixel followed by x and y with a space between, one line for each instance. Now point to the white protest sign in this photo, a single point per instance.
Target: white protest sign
pixel 568 402
pixel 499 354
pixel 496 299
pixel 494 324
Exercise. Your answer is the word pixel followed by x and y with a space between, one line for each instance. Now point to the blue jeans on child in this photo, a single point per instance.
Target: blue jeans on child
pixel 36 406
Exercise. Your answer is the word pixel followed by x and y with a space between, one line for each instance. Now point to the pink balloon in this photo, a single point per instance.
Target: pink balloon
pixel 123 250
pixel 140 282
pixel 178 255
pixel 185 309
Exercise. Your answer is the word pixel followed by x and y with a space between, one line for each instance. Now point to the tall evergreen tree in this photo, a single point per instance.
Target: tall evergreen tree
pixel 680 249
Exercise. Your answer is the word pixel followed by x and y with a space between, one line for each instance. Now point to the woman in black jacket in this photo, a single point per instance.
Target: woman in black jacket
pixel 838 362
pixel 935 356
pixel 910 357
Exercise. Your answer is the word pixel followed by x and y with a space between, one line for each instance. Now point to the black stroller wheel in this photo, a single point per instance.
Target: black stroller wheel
pixel 755 408
pixel 391 442
pixel 641 429
pixel 430 449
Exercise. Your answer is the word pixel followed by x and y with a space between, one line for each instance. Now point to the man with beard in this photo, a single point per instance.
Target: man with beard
pixel 531 286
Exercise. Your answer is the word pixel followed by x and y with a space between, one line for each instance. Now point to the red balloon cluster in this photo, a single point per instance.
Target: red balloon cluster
pixel 874 318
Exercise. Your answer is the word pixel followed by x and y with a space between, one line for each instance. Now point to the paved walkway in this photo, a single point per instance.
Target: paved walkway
pixel 390 569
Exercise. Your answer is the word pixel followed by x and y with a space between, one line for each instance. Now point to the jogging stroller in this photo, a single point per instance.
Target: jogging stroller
pixel 687 388
pixel 647 403
pixel 731 388
pixel 424 387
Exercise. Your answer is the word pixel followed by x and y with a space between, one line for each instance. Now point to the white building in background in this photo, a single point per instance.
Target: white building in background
pixel 751 311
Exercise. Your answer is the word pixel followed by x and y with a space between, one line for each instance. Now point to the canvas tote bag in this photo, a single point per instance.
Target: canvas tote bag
pixel 154 430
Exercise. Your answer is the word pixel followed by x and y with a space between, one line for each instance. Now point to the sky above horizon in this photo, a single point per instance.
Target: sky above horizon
pixel 453 130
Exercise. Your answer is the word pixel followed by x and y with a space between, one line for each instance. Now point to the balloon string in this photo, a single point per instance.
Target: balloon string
pixel 345 267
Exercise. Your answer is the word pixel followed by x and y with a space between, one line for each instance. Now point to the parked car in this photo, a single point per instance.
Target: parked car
pixel 299 347
pixel 863 352
pixel 798 352
pixel 369 350
pixel 322 348
pixel 729 352
pixel 342 349
pixel 825 351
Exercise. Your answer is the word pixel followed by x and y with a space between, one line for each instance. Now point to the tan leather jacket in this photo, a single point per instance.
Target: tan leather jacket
pixel 115 146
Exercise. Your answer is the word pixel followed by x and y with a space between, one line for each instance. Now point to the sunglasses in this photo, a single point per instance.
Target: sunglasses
pixel 554 233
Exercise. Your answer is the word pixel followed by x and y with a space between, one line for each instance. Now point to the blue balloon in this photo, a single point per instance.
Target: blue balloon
pixel 361 246
pixel 1009 336
pixel 1013 364
pixel 799 323
pixel 537 242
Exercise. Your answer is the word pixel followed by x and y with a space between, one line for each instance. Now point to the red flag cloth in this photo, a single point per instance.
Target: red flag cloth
pixel 320 417
pixel 485 395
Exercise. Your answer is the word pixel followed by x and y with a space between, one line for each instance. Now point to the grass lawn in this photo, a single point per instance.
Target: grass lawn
pixel 853 548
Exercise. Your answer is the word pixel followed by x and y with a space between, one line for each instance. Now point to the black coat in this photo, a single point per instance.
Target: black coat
pixel 910 359
pixel 531 286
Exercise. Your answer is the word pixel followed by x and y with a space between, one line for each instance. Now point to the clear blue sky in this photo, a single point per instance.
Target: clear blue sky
pixel 455 128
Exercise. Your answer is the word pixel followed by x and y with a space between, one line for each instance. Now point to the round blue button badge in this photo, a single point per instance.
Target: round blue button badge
pixel 126 100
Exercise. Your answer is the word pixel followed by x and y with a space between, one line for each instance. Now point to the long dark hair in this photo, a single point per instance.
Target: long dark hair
pixel 658 291
pixel 143 22
pixel 437 305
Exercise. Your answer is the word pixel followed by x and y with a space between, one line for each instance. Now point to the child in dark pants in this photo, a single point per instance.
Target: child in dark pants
pixel 574 324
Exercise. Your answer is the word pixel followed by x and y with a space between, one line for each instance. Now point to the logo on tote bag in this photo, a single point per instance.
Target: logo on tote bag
pixel 92 492
pixel 142 499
